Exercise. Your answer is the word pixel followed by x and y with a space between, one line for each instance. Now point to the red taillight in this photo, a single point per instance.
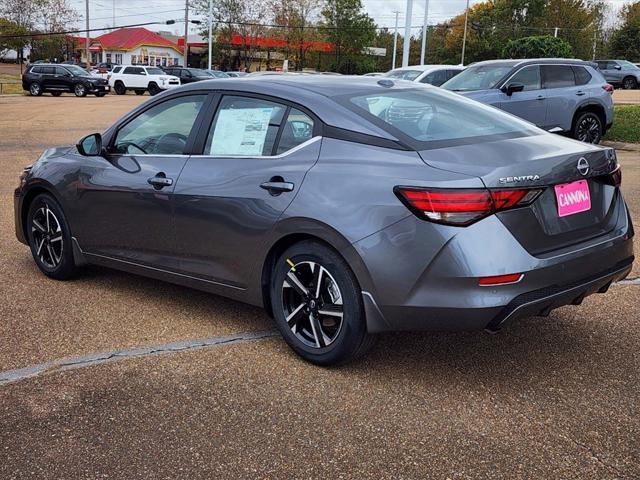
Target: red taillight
pixel 462 206
pixel 608 87
pixel 500 279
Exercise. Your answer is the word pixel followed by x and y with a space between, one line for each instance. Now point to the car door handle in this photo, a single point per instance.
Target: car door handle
pixel 580 93
pixel 277 187
pixel 160 181
pixel 540 97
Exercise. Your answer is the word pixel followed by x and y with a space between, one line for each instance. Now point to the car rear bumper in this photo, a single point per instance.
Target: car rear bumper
pixel 410 284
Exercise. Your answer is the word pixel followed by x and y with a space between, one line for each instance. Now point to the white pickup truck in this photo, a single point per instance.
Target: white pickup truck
pixel 140 78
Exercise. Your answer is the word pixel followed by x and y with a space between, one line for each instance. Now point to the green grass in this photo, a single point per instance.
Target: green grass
pixel 626 124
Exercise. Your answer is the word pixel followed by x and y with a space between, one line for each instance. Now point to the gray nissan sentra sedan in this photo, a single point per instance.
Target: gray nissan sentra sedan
pixel 345 206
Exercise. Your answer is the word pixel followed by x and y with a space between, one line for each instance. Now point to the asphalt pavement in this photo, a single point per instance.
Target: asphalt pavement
pixel 117 376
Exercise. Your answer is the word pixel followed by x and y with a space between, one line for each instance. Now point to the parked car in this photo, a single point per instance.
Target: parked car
pixel 373 74
pixel 346 206
pixel 57 79
pixel 432 74
pixel 102 68
pixel 73 62
pixel 188 75
pixel 217 74
pixel 620 73
pixel 237 74
pixel 558 95
pixel 140 79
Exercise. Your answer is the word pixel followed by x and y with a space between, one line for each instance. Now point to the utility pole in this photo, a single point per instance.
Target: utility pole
pixel 114 14
pixel 555 32
pixel 210 28
pixel 87 39
pixel 594 45
pixel 407 34
pixel 395 42
pixel 464 35
pixel 186 33
pixel 423 49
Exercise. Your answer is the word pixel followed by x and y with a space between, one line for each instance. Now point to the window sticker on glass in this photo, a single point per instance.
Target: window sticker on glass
pixel 241 131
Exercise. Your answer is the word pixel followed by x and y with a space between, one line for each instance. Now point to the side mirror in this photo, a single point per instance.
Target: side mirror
pixel 512 88
pixel 618 67
pixel 91 145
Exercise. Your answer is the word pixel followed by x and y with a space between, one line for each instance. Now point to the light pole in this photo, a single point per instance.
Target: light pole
pixel 464 35
pixel 86 46
pixel 186 33
pixel 407 34
pixel 423 49
pixel 395 42
pixel 210 28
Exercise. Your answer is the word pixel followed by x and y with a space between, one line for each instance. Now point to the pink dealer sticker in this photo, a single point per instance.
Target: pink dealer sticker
pixel 573 198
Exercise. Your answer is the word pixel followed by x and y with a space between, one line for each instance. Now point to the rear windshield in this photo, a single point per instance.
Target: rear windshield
pixel 403 74
pixel 432 115
pixel 480 77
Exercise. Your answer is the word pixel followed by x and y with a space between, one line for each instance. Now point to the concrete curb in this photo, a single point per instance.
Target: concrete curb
pixel 632 147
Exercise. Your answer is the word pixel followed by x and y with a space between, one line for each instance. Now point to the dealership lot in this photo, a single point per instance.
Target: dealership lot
pixel 546 398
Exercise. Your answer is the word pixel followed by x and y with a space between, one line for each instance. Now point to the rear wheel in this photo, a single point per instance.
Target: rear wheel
pixel 35 89
pixel 629 83
pixel 56 94
pixel 317 304
pixel 80 90
pixel 119 88
pixel 153 89
pixel 50 238
pixel 588 128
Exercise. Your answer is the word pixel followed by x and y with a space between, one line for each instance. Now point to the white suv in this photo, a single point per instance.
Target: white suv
pixel 140 79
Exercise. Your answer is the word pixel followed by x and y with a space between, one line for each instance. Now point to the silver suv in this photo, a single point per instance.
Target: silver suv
pixel 558 95
pixel 620 72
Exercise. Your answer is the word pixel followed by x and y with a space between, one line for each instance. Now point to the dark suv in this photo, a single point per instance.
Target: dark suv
pixel 57 79
pixel 188 75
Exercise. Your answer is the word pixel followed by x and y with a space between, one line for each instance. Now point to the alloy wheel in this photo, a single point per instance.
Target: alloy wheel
pixel 80 90
pixel 34 89
pixel 312 304
pixel 47 237
pixel 629 83
pixel 589 129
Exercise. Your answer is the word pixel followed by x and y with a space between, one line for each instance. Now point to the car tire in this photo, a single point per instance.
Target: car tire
pixel 56 94
pixel 629 83
pixel 328 326
pixel 119 88
pixel 100 94
pixel 587 128
pixel 35 89
pixel 50 238
pixel 153 89
pixel 139 92
pixel 80 90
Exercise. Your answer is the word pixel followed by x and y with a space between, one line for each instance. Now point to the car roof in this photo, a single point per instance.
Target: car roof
pixel 526 61
pixel 424 68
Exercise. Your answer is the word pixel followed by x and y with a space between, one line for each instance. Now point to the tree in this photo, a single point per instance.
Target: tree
pixel 351 30
pixel 625 42
pixel 538 47
pixel 17 43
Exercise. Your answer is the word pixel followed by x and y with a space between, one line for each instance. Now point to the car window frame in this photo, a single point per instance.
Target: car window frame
pixel 207 124
pixel 538 65
pixel 191 139
pixel 544 81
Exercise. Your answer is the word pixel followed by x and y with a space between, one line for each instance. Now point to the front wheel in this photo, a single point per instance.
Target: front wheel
pixel 50 238
pixel 588 128
pixel 35 89
pixel 317 305
pixel 153 89
pixel 80 90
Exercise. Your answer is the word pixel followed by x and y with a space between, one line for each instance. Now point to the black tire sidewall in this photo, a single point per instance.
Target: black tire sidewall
pixel 39 89
pixel 579 120
pixel 632 85
pixel 66 268
pixel 353 330
pixel 119 88
pixel 84 90
pixel 153 89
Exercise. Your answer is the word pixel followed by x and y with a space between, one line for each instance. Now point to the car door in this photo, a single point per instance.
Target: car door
pixel 531 102
pixel 562 95
pixel 185 76
pixel 48 77
pixel 63 79
pixel 255 157
pixel 614 72
pixel 125 201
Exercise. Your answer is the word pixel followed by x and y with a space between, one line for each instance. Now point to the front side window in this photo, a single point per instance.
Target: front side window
pixel 434 115
pixel 479 77
pixel 133 71
pixel 244 126
pixel 155 71
pixel 161 130
pixel 558 76
pixel 436 78
pixel 529 77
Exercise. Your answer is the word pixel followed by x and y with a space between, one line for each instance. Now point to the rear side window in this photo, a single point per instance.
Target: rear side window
pixel 36 70
pixel 558 76
pixel 436 115
pixel 529 77
pixel 134 71
pixel 296 130
pixel 582 75
pixel 244 127
pixel 61 71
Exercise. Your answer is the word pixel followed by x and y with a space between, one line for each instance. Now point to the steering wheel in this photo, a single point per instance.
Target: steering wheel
pixel 126 144
pixel 173 140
